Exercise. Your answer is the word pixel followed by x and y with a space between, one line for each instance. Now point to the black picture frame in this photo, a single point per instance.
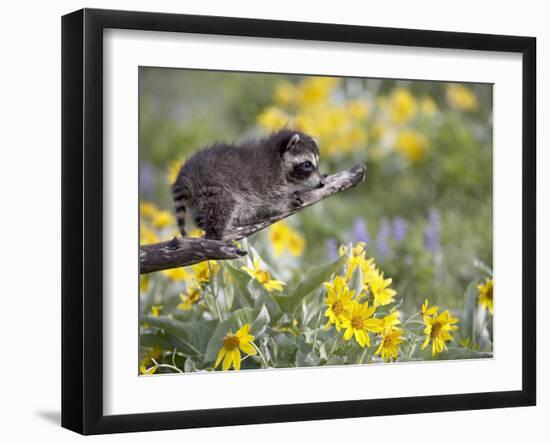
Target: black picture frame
pixel 82 220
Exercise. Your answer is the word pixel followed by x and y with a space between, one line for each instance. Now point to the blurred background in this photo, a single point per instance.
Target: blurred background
pixel 425 209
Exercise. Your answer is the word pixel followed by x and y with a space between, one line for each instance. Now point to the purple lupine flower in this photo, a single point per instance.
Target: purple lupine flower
pixel 332 249
pixel 382 239
pixel 360 231
pixel 432 231
pixel 146 180
pixel 400 228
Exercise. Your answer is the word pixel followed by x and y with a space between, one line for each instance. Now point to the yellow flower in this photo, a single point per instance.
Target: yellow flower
pixel 390 344
pixel 390 321
pixel 263 277
pixel 162 219
pixel 147 209
pixel 155 310
pixel 402 105
pixel 438 328
pixel 315 90
pixel 146 235
pixel 412 145
pixel 485 292
pixel 357 109
pixel 196 233
pixel 173 170
pixel 143 283
pixel 339 302
pixel 285 93
pixel 273 118
pixel 205 270
pixel 359 322
pixel 192 296
pixel 461 97
pixel 176 274
pixel 427 310
pixel 143 370
pixel 359 260
pixel 230 352
pixel 428 106
pixel 378 286
pixel 283 237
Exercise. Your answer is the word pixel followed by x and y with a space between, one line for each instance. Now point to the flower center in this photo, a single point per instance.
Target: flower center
pixel 357 323
pixel 436 328
pixel 490 293
pixel 337 307
pixel 263 276
pixel 230 342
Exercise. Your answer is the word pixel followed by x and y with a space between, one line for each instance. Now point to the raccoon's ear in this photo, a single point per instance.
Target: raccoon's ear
pixel 291 144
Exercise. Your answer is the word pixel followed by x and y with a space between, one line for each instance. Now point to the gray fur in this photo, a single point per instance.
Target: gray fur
pixel 226 185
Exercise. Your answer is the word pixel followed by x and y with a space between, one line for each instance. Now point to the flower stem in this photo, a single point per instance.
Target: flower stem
pixel 264 362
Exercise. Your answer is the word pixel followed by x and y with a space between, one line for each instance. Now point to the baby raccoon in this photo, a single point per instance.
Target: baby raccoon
pixel 226 185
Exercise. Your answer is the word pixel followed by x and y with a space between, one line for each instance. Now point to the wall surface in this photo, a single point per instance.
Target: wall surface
pixel 30 190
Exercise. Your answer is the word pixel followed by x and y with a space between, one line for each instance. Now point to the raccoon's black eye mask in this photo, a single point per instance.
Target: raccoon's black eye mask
pixel 303 170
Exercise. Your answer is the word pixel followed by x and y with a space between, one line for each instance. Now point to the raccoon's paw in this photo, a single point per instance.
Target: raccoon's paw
pixel 296 200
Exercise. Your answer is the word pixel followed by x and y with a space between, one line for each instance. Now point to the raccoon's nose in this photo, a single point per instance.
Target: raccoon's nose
pixel 321 184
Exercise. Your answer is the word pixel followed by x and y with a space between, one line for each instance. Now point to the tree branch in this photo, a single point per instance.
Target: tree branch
pixel 184 251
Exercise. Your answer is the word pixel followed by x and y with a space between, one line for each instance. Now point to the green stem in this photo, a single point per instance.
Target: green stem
pixel 264 362
pixel 317 330
pixel 162 365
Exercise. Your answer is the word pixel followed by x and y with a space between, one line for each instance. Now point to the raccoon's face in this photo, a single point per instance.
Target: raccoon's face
pixel 300 160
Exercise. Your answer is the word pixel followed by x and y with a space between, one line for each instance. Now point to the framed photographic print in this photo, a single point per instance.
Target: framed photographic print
pixel 269 221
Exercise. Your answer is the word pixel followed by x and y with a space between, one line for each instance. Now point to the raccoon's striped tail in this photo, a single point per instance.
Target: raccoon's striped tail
pixel 181 196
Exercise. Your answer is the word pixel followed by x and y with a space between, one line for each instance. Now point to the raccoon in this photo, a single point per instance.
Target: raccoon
pixel 228 185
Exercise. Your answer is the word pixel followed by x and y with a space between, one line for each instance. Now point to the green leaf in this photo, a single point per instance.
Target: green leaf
pixel 468 315
pixel 462 354
pixel 240 281
pixel 257 318
pixel 311 281
pixel 193 335
pixel 262 297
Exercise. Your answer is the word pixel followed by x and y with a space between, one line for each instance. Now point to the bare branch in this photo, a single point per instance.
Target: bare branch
pixel 184 251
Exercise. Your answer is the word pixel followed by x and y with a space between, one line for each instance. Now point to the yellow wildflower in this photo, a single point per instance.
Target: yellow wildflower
pixel 230 352
pixel 359 322
pixel 196 233
pixel 412 145
pixel 390 342
pixel 143 283
pixel 438 328
pixel 390 321
pixel 461 97
pixel 284 237
pixel 357 109
pixel 176 274
pixel 155 310
pixel 315 90
pixel 273 118
pixel 378 286
pixel 427 310
pixel 285 93
pixel 144 370
pixel 147 209
pixel 485 292
pixel 188 299
pixel 263 277
pixel 428 106
pixel 402 106
pixel 205 270
pixel 146 235
pixel 173 170
pixel 338 300
pixel 162 219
